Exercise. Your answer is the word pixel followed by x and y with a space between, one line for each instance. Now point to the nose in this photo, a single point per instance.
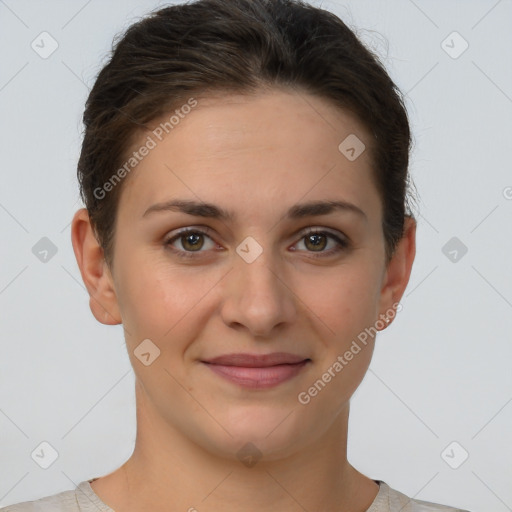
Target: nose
pixel 257 297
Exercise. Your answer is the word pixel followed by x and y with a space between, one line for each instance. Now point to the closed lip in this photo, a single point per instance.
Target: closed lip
pixel 256 360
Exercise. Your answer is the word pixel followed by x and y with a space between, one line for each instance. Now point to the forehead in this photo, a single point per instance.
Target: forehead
pixel 268 146
pixel 291 119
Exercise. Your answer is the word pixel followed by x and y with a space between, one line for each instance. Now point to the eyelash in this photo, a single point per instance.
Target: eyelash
pixel 342 244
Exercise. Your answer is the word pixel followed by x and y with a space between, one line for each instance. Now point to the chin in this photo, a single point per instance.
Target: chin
pixel 269 433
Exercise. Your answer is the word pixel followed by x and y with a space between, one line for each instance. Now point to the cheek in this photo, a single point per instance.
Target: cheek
pixel 156 299
pixel 346 300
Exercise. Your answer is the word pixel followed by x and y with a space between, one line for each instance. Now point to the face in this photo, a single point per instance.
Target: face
pixel 270 277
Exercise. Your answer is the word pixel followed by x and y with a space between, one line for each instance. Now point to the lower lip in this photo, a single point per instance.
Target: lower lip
pixel 258 378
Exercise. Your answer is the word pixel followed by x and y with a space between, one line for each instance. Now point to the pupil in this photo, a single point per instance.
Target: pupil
pixel 192 240
pixel 315 240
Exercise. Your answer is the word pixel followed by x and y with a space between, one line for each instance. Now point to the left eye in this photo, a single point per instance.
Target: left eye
pixel 318 240
pixel 315 241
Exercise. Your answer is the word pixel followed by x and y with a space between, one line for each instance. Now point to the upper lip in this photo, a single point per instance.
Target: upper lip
pixel 256 360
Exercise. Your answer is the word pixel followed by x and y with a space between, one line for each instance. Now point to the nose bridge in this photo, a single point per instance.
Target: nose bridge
pixel 259 276
pixel 257 297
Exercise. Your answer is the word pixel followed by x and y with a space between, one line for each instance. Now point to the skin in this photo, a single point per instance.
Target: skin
pixel 257 156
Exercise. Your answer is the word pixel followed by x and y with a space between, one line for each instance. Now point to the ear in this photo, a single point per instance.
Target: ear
pixel 95 272
pixel 398 270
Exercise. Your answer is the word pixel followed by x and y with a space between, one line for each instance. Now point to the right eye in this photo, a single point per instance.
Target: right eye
pixel 191 241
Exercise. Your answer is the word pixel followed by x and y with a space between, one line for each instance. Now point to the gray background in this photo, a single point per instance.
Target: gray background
pixel 440 373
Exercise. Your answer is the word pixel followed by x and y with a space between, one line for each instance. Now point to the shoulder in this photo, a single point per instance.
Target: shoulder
pixel 391 500
pixel 65 501
pixel 62 502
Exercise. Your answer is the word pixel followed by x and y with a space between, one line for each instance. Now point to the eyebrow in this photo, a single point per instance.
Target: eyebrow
pixel 208 210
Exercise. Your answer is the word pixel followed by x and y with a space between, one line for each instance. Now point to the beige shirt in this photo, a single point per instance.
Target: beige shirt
pixel 84 499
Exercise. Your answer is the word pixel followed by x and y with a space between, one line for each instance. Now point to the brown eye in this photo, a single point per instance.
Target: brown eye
pixel 317 241
pixel 191 241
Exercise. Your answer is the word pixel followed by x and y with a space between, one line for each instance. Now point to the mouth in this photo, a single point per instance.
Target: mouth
pixel 257 371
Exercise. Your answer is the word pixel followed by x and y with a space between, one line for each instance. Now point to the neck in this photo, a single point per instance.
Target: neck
pixel 166 467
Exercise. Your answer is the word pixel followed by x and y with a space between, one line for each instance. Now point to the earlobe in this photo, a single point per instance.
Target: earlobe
pixel 94 270
pixel 398 271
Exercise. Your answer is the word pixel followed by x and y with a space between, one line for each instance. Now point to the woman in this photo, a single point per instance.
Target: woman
pixel 244 170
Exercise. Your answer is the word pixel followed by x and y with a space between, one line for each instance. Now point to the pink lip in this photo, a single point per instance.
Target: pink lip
pixel 257 371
